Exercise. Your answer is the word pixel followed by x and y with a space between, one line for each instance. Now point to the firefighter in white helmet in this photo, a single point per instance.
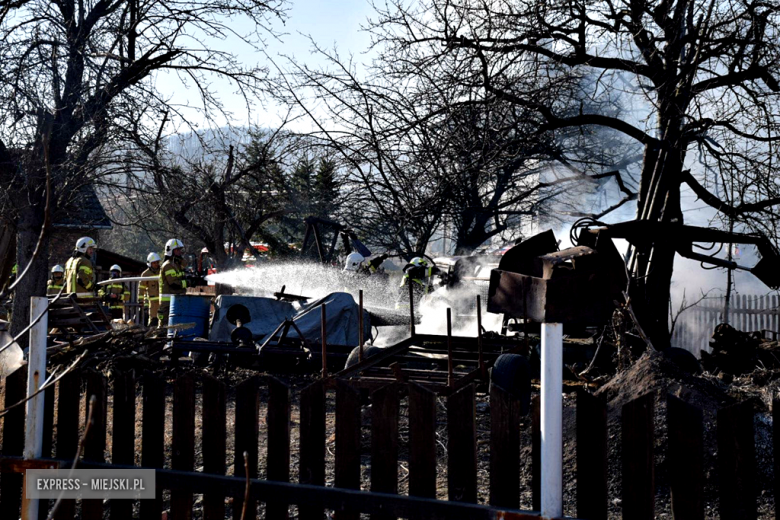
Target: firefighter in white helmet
pixel 57 281
pixel 354 262
pixel 115 294
pixel 149 291
pixel 79 271
pixel 419 273
pixel 171 277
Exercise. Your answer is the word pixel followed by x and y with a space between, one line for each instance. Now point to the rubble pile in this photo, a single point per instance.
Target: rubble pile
pixel 119 349
pixel 736 353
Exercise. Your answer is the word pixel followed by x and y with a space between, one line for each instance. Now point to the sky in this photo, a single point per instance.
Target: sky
pixel 329 23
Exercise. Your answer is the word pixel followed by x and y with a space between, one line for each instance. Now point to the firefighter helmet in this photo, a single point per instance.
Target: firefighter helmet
pixel 58 269
pixel 152 258
pixel 353 261
pixel 417 260
pixel 116 267
pixel 84 243
pixel 172 244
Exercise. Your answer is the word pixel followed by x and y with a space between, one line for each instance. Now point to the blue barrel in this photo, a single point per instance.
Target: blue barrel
pixel 189 309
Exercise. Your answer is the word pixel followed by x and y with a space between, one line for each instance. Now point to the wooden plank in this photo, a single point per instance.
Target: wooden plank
pixel 48 432
pixel 69 395
pixel 312 444
pixel 153 437
pixel 247 423
pixel 422 442
pixel 776 449
pixel 95 441
pixel 183 443
pixel 536 454
pixel 384 441
pixel 347 466
pixel 278 461
pixel 462 445
pixel 743 304
pixel 123 434
pixel 214 436
pixel 13 441
pixel 686 458
pixel 638 466
pixel 775 312
pixel 737 462
pixel 592 493
pixel 504 448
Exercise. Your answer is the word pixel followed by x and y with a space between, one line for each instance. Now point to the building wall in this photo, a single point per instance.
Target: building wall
pixel 62 243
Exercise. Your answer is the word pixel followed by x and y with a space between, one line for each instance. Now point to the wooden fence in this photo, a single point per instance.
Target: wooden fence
pixel 736 450
pixel 747 312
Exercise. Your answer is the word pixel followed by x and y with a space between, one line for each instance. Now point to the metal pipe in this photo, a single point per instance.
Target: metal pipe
pixel 36 375
pixel 360 325
pixel 411 306
pixel 479 335
pixel 449 347
pixel 551 420
pixel 324 342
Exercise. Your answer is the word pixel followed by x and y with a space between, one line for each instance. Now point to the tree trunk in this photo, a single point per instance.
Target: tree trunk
pixel 34 282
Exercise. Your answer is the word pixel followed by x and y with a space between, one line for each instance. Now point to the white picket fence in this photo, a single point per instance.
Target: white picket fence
pixel 747 312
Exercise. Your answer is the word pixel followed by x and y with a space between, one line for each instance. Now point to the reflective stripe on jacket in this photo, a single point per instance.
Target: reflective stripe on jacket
pixel 172 279
pixel 149 290
pixel 79 274
pixel 117 288
pixel 53 287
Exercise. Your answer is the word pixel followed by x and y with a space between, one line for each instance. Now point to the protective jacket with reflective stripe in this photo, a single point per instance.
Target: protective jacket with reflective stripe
pixel 53 286
pixel 172 279
pixel 79 274
pixel 117 288
pixel 149 291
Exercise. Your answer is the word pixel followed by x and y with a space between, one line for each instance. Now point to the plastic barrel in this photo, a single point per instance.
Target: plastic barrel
pixel 189 309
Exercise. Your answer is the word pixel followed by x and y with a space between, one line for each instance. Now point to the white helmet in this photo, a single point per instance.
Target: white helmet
pixel 153 257
pixel 353 261
pixel 172 244
pixel 84 243
pixel 116 267
pixel 58 269
pixel 418 261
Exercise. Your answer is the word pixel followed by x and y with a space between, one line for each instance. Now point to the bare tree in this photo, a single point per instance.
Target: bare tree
pixel 74 74
pixel 702 76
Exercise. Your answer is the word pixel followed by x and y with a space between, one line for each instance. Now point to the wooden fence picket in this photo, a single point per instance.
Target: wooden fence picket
pixel 348 421
pixel 278 427
pixel 214 436
pixel 384 441
pixel 312 444
pixel 686 458
pixel 504 448
pixel 153 437
pixel 95 441
pixel 592 498
pixel 247 426
pixel 422 442
pixel 123 434
pixel 737 462
pixel 462 445
pixel 183 444
pixel 638 460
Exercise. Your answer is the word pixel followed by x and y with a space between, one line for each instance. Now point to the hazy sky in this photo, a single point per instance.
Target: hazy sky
pixel 329 23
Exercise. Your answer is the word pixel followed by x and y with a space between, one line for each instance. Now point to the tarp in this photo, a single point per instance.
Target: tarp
pixel 341 318
pixel 341 321
pixel 266 314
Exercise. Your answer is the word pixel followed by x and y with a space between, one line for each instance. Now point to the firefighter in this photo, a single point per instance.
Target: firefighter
pixel 79 272
pixel 419 273
pixel 354 262
pixel 171 277
pixel 54 286
pixel 149 291
pixel 115 294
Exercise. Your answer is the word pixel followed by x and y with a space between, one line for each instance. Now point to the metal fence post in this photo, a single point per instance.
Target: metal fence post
pixel 36 370
pixel 551 420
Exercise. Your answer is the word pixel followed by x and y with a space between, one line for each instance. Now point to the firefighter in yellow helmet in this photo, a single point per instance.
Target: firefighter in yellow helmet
pixel 419 273
pixel 171 277
pixel 149 291
pixel 115 294
pixel 79 271
pixel 57 281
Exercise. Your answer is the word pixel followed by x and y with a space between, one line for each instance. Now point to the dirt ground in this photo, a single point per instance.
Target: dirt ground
pixel 649 374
